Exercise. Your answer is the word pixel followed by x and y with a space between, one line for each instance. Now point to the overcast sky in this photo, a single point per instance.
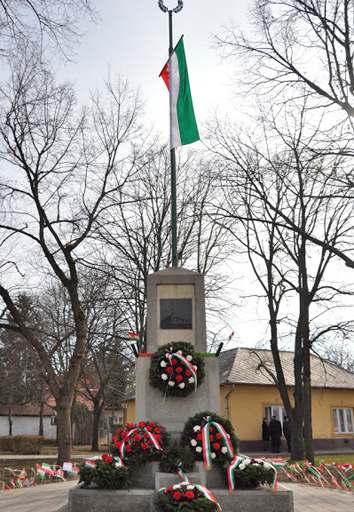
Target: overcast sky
pixel 130 39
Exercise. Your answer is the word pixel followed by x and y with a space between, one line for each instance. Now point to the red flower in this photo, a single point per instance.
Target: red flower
pixel 107 458
pixel 200 436
pixel 218 436
pixel 178 378
pixel 158 438
pixel 146 435
pixel 128 448
pixel 117 443
pixel 179 369
pixel 216 446
pixel 211 437
pixel 211 429
pixel 169 370
pixel 137 437
pixel 177 496
pixel 130 425
pixel 148 428
pixel 153 424
pixel 188 373
pixel 157 430
pixel 174 362
pixel 189 495
pixel 141 424
pixel 144 446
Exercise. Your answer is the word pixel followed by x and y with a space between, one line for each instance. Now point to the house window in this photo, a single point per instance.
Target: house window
pixel 53 420
pixel 343 420
pixel 274 410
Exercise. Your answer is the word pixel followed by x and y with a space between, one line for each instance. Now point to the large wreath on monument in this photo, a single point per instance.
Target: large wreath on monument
pixel 211 438
pixel 141 442
pixel 176 369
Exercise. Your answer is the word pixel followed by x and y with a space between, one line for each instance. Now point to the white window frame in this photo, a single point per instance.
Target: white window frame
pixel 274 410
pixel 337 423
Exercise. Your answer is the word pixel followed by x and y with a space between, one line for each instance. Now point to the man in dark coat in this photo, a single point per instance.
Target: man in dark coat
pixel 275 434
pixel 265 434
pixel 287 432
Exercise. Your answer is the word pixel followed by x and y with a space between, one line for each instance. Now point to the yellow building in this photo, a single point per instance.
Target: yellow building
pixel 248 394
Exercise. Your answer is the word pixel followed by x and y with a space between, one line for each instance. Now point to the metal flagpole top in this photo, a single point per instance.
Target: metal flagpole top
pixel 177 9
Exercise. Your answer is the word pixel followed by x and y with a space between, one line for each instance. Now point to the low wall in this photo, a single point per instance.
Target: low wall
pixel 259 500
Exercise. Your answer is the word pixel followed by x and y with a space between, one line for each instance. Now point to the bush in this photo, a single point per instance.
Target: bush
pixel 175 455
pixel 24 445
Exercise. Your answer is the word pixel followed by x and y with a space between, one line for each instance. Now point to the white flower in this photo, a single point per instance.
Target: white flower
pixel 196 428
pixel 224 449
pixel 171 383
pixel 213 455
pixel 193 442
pixel 190 487
pixel 195 367
pixel 164 376
pixel 189 357
pixel 199 449
pixel 163 364
pixel 182 385
pixel 180 352
pixel 191 380
pixel 176 486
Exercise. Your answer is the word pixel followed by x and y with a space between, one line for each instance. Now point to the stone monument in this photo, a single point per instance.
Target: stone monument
pixel 176 312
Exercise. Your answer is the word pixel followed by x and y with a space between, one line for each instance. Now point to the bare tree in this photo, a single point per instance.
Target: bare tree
pixel 135 234
pixel 41 23
pixel 259 184
pixel 64 166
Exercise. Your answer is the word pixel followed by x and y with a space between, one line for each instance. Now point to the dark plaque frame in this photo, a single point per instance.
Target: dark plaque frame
pixel 176 313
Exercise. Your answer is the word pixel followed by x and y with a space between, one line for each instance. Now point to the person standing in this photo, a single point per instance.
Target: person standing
pixel 287 432
pixel 275 434
pixel 265 434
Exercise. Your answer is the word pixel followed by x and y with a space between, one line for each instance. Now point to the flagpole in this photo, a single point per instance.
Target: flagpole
pixel 172 150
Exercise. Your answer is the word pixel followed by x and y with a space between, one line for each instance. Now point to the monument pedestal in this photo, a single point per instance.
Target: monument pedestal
pixel 173 412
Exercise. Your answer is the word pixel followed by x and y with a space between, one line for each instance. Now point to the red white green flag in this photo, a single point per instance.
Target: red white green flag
pixel 183 129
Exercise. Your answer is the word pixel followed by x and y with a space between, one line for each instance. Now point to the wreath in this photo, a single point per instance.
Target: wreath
pixel 176 369
pixel 246 473
pixel 211 437
pixel 141 442
pixel 187 497
pixel 106 472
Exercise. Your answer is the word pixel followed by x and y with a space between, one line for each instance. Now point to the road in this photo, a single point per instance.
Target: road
pixel 53 497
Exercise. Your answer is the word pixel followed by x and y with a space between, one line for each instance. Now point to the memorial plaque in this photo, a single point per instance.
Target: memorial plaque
pixel 176 314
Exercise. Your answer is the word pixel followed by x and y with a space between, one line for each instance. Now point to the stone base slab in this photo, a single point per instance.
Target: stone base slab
pixel 142 500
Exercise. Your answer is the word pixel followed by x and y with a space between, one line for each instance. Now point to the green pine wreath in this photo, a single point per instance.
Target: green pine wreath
pixel 192 437
pixel 172 374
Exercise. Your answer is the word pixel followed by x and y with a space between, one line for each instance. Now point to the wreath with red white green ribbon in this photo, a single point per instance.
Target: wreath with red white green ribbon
pixel 211 438
pixel 186 496
pixel 141 442
pixel 176 369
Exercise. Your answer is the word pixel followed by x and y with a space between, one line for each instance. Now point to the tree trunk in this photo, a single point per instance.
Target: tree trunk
pixel 41 427
pixel 9 418
pixel 309 451
pixel 64 432
pixel 97 410
pixel 297 436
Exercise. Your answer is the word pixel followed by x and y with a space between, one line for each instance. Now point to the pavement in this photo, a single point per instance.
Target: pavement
pixel 309 498
pixel 54 498
pixel 46 497
pixel 10 456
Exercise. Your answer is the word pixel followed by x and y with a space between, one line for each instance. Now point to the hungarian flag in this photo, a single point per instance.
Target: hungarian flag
pixel 184 129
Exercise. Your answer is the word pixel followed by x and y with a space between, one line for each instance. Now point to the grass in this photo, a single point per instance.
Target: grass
pixel 335 457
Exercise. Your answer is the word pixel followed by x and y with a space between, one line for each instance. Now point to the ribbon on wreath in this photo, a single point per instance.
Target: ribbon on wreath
pixel 208 495
pixel 187 363
pixel 151 436
pixel 314 471
pixel 206 441
pixel 234 464
pixel 180 472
